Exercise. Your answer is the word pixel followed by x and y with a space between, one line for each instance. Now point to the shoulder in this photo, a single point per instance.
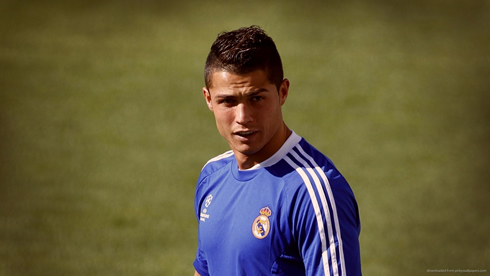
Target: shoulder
pixel 214 166
pixel 216 163
pixel 315 174
pixel 304 157
pixel 300 161
pixel 312 155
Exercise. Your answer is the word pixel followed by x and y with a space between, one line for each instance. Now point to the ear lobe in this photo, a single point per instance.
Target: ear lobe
pixel 283 91
pixel 207 97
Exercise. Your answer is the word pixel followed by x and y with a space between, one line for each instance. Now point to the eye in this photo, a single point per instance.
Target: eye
pixel 227 101
pixel 257 98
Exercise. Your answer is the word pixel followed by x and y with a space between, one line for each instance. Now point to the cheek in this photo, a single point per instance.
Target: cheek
pixel 273 121
pixel 223 119
pixel 272 115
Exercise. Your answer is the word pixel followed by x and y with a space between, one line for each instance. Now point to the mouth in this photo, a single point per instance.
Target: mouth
pixel 245 133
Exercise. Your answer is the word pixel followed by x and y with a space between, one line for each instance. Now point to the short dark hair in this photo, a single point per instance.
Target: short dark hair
pixel 243 51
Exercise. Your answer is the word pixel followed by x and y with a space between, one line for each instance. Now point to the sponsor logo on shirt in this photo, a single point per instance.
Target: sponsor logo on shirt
pixel 204 213
pixel 261 225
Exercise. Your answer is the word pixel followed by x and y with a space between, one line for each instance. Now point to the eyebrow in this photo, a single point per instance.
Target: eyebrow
pixel 247 94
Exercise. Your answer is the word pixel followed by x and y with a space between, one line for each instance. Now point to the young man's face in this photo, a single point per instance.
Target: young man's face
pixel 247 109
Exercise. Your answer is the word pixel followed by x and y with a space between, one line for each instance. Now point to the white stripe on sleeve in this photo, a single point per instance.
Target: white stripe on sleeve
pixel 324 203
pixel 333 206
pixel 318 213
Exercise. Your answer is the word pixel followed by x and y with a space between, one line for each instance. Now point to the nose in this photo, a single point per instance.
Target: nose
pixel 243 114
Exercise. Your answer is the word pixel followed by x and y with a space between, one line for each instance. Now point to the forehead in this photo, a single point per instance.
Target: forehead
pixel 223 80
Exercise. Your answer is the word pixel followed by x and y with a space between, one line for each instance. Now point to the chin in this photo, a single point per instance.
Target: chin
pixel 246 150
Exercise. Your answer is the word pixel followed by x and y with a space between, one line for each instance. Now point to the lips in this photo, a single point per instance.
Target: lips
pixel 245 134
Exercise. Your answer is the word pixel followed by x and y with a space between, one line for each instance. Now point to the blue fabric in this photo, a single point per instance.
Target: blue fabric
pixel 297 216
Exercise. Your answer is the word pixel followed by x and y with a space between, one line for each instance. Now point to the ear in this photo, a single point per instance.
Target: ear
pixel 207 96
pixel 283 91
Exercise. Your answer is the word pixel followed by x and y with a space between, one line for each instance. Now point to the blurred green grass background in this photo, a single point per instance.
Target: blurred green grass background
pixel 104 130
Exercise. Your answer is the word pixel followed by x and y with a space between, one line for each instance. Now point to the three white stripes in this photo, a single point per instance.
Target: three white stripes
pixel 300 169
pixel 323 199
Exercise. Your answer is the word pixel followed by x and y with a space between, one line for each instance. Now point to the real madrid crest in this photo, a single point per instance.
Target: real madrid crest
pixel 262 225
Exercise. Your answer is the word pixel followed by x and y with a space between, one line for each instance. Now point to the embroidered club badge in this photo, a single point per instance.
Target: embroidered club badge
pixel 262 225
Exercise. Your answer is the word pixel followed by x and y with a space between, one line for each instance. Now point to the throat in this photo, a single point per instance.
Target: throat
pixel 246 160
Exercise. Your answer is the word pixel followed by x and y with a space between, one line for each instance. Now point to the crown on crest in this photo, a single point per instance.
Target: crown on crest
pixel 265 211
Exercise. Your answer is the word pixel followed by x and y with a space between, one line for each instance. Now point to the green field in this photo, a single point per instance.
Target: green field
pixel 103 129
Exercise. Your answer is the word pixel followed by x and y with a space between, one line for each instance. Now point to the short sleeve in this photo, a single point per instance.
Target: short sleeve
pixel 200 263
pixel 326 226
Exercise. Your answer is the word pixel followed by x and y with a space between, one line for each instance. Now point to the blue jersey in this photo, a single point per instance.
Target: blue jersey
pixel 293 214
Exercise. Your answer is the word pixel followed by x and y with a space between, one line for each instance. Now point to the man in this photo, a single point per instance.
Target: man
pixel 273 204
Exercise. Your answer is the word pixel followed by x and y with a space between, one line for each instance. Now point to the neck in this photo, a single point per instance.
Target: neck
pixel 248 161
